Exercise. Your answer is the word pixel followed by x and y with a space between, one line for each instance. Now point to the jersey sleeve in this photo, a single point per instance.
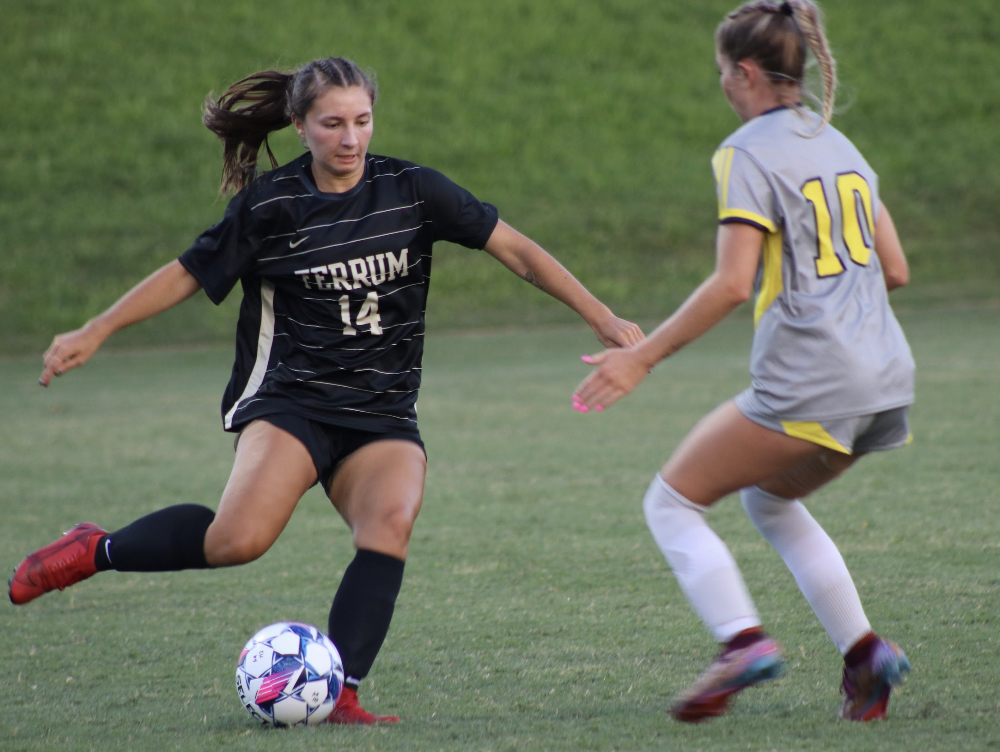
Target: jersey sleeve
pixel 224 252
pixel 744 192
pixel 456 215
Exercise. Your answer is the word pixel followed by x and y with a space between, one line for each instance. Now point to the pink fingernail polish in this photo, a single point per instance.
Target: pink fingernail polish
pixel 598 409
pixel 586 359
pixel 580 408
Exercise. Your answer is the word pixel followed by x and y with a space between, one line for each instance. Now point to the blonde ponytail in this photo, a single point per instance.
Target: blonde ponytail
pixel 778 36
pixel 810 20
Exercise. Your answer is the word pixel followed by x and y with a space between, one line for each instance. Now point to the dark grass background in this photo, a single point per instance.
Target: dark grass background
pixel 590 125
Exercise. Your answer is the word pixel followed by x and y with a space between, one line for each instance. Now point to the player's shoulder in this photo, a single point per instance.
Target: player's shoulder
pixel 380 165
pixel 394 174
pixel 284 182
pixel 383 169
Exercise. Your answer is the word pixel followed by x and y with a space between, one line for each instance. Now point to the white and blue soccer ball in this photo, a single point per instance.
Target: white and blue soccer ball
pixel 289 674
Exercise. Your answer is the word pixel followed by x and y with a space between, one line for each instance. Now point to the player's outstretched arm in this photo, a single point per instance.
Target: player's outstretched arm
pixel 738 248
pixel 895 270
pixel 531 262
pixel 161 290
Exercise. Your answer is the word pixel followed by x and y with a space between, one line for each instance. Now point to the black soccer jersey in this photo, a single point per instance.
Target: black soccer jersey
pixel 331 325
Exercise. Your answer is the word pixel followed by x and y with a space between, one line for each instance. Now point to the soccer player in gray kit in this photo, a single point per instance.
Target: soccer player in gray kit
pixel 831 372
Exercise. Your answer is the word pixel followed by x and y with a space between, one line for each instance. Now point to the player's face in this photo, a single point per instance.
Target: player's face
pixel 337 129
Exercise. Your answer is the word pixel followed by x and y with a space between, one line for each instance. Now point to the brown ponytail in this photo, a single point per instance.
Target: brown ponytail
pixel 243 118
pixel 255 106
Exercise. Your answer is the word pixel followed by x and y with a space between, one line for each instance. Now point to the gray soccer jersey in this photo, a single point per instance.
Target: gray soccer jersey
pixel 826 343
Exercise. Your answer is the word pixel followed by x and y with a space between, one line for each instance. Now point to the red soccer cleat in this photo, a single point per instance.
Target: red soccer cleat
pixel 58 565
pixel 347 711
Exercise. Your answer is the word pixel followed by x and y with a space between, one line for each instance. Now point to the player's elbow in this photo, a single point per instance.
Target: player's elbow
pixel 735 291
pixel 896 277
pixel 742 294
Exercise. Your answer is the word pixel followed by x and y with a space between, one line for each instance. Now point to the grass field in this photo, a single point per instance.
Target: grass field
pixel 589 123
pixel 536 613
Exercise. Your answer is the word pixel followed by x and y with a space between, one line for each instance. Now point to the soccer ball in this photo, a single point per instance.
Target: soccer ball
pixel 289 674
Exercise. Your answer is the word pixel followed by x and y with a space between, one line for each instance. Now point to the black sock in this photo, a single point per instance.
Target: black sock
pixel 165 541
pixel 362 610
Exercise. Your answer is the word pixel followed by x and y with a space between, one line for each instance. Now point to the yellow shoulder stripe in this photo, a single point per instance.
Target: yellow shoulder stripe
pixel 749 216
pixel 722 162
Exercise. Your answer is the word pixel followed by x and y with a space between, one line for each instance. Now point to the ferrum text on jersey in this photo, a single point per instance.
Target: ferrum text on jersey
pixel 357 272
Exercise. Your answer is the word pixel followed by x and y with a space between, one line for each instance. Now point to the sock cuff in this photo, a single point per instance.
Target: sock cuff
pixel 661 488
pixel 378 573
pixel 379 567
pixel 751 491
pixel 377 558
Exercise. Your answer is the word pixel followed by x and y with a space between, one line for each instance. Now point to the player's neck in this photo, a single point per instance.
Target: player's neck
pixel 332 182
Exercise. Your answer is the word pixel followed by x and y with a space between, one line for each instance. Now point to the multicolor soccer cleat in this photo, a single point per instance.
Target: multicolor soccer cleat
pixel 348 711
pixel 58 565
pixel 867 686
pixel 731 672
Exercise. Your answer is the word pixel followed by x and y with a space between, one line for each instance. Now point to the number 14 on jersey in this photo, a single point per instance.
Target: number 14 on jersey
pixel 368 315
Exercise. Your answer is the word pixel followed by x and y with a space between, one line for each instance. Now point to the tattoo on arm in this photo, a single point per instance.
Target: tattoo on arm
pixel 529 277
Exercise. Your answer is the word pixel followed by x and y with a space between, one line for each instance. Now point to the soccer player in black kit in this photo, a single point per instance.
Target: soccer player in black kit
pixel 333 253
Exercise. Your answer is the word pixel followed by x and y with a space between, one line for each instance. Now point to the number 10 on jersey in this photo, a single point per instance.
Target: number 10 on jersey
pixel 367 315
pixel 852 190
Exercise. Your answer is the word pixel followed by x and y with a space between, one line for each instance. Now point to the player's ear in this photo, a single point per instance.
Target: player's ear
pixel 749 71
pixel 300 128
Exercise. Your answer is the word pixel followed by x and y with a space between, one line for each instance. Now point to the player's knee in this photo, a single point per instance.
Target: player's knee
pixel 229 548
pixel 398 524
pixel 764 508
pixel 662 501
pixel 389 531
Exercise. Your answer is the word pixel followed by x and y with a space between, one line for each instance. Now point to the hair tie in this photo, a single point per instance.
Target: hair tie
pixel 786 8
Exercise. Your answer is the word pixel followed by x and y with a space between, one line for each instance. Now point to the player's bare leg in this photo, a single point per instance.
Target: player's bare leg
pixel 378 491
pixel 809 475
pixel 726 451
pixel 271 472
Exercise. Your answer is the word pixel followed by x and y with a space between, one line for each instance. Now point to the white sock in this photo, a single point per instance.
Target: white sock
pixel 814 561
pixel 702 563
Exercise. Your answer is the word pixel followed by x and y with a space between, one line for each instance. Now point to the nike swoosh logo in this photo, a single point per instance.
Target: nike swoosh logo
pixel 297 243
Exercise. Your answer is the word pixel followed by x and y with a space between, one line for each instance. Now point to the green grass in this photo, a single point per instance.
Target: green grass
pixel 536 612
pixel 589 124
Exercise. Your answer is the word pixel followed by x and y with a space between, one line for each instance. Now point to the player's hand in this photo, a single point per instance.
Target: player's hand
pixel 616 332
pixel 618 373
pixel 68 351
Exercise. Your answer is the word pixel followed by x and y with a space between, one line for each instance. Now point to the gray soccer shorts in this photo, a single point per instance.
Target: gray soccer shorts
pixel 859 434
